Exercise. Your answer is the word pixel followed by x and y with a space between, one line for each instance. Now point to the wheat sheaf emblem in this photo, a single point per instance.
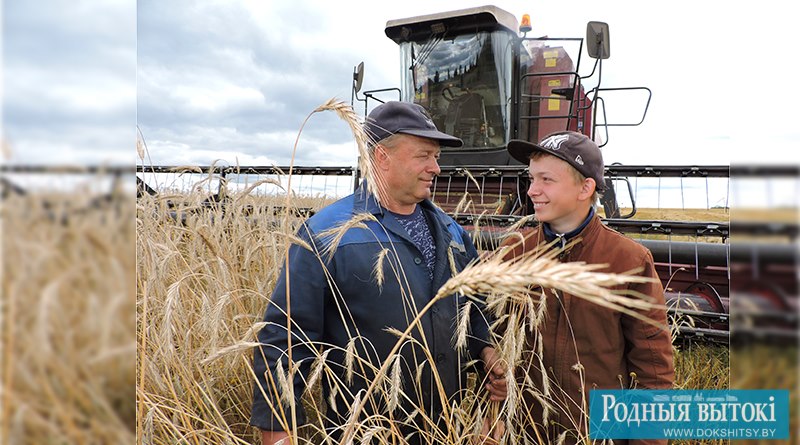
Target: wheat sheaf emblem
pixel 554 142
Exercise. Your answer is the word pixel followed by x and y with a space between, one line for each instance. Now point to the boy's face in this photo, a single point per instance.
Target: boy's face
pixel 558 197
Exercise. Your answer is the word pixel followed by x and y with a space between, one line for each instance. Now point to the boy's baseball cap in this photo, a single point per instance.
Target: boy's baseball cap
pixel 407 118
pixel 577 149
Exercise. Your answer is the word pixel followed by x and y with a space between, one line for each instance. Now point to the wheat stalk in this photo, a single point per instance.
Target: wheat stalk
pixel 375 183
pixel 506 279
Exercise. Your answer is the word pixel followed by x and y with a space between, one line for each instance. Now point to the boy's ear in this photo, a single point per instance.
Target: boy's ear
pixel 587 188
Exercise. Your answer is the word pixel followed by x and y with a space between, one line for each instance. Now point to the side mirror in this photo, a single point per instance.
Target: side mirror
pixel 358 77
pixel 597 40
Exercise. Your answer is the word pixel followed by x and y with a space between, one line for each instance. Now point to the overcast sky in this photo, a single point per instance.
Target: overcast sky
pixel 233 80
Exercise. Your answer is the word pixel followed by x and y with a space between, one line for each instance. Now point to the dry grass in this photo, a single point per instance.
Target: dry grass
pixel 702 366
pixel 68 374
pixel 203 286
pixel 767 366
pixel 671 214
pixel 716 215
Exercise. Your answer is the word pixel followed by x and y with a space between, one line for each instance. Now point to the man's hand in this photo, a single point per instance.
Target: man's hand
pixel 495 373
pixel 273 437
pixel 487 437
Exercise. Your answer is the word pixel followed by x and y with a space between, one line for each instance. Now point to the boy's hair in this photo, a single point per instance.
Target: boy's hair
pixel 578 176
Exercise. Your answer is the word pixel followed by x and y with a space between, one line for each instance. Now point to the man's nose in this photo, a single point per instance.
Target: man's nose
pixel 435 168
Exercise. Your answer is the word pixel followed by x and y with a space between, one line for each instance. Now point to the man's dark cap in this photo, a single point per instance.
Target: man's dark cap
pixel 408 118
pixel 577 149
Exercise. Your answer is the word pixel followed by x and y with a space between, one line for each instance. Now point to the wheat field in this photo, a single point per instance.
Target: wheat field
pixel 134 321
pixel 82 364
pixel 203 286
pixel 68 320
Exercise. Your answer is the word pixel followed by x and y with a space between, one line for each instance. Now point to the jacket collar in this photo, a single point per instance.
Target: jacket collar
pixel 550 235
pixel 584 232
pixel 365 201
pixel 439 227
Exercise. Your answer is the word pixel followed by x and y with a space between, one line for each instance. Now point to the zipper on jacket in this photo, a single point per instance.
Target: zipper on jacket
pixel 562 257
pixel 556 345
pixel 561 242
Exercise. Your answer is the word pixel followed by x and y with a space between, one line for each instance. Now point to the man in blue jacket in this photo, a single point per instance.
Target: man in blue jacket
pixel 349 296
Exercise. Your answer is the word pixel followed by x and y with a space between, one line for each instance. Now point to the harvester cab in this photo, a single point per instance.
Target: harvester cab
pixel 484 83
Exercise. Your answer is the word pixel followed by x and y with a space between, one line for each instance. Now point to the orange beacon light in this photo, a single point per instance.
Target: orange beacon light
pixel 525 25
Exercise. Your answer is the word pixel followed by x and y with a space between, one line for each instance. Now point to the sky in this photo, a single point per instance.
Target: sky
pixel 69 82
pixel 232 81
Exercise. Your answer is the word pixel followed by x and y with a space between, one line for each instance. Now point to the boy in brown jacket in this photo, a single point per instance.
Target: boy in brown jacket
pixel 585 346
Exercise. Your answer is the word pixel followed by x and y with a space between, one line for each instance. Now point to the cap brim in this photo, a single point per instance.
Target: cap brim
pixel 444 139
pixel 522 150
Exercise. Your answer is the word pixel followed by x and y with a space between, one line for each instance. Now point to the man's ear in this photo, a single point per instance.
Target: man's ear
pixel 382 158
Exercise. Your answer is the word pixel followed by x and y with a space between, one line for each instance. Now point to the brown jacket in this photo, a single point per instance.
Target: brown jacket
pixel 612 347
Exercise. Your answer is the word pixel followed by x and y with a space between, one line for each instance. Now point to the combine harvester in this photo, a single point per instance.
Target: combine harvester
pixel 485 81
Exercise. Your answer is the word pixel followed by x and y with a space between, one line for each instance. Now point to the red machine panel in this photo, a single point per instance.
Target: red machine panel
pixel 550 99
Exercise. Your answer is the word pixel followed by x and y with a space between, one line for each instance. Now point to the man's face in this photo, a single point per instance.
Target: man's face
pixel 558 197
pixel 408 170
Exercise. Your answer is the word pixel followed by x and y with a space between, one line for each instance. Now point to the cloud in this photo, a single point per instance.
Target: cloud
pixel 69 81
pixel 222 74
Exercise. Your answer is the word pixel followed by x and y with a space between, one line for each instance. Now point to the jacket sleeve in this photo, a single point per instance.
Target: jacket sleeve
pixel 649 348
pixel 307 290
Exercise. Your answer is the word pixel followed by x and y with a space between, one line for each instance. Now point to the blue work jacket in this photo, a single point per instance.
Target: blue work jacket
pixel 336 298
